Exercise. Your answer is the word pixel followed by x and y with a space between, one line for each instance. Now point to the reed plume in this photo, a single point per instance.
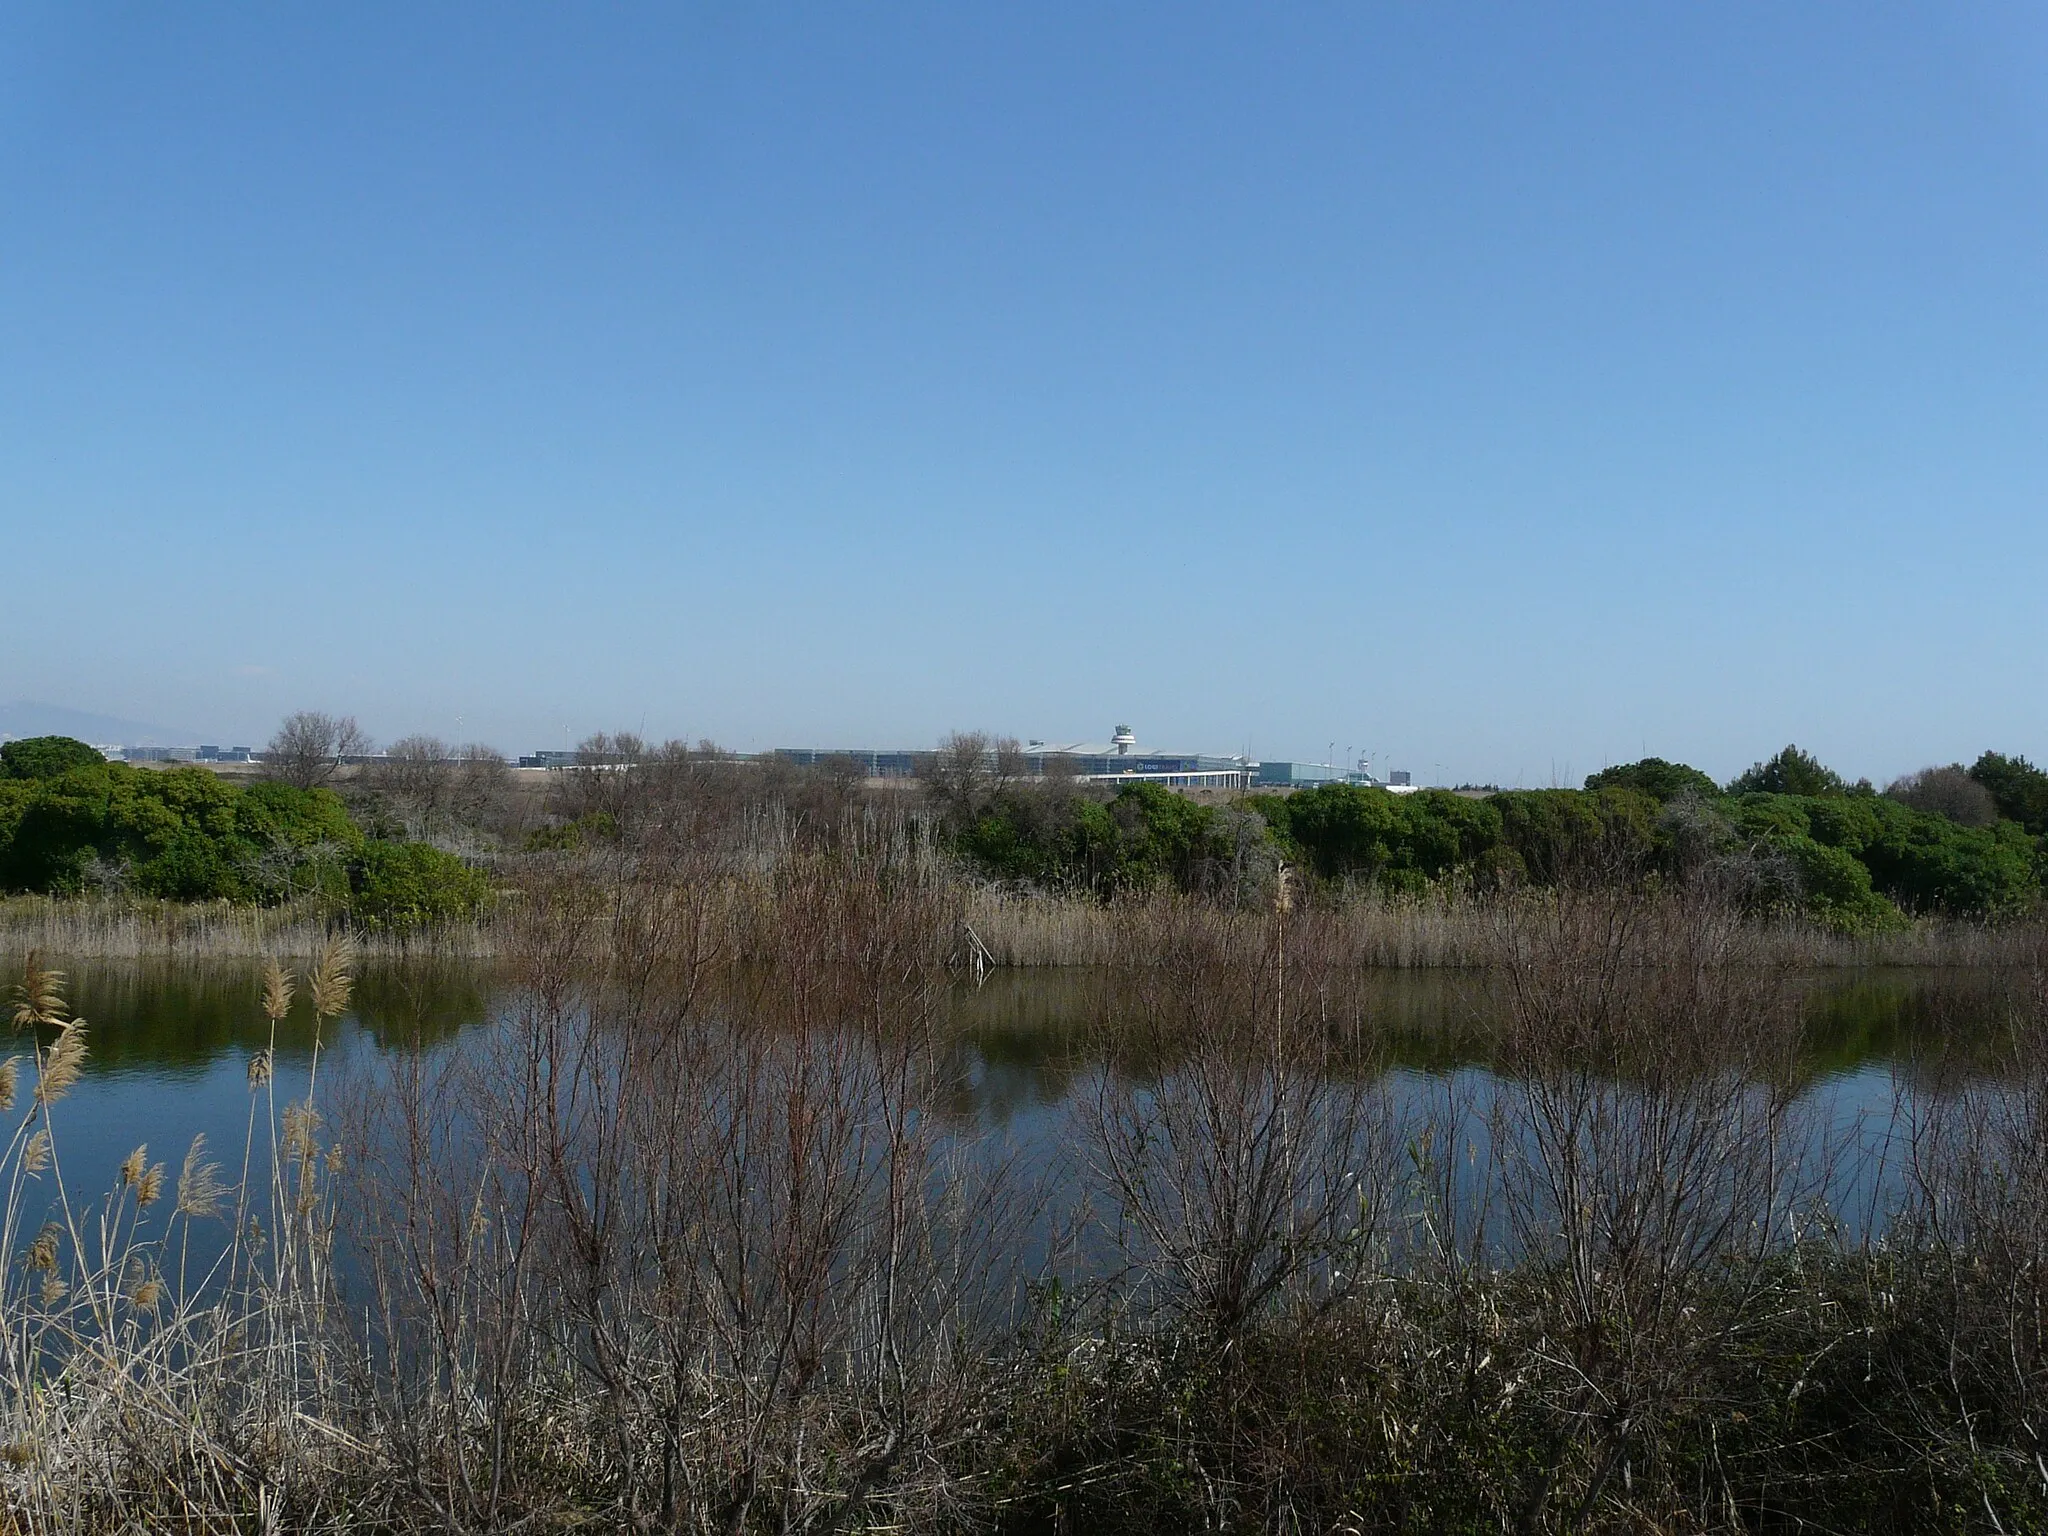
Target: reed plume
pixel 331 981
pixel 142 1287
pixel 200 1190
pixel 42 1253
pixel 62 1064
pixel 144 1177
pixel 277 991
pixel 39 996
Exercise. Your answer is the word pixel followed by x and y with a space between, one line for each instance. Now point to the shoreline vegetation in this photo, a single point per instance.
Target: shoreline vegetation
pixel 677 1249
pixel 429 849
pixel 1007 929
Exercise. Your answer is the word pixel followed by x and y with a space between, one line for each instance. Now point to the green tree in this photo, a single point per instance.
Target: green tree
pixel 46 757
pixel 1791 772
pixel 2018 789
pixel 1653 776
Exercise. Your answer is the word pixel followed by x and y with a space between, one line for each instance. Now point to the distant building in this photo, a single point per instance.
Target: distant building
pixel 1117 760
pixel 1285 775
pixel 872 763
pixel 1279 774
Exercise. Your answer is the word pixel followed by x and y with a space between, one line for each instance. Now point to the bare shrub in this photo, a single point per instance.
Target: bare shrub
pixel 433 788
pixel 1949 792
pixel 1647 1179
pixel 1241 1163
pixel 708 1228
pixel 1973 1235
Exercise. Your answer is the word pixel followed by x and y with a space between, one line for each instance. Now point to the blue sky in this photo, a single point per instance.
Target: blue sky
pixel 1502 390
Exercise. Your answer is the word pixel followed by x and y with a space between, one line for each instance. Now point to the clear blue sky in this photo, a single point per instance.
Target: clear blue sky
pixel 1502 389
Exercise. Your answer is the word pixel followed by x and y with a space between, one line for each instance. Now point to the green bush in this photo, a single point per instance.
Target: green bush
pixel 184 834
pixel 2018 789
pixel 1660 780
pixel 1791 772
pixel 568 836
pixel 413 885
pixel 1829 886
pixel 45 757
pixel 1556 833
pixel 1917 860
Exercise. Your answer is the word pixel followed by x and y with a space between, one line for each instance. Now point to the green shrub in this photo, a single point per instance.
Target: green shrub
pixel 1660 780
pixel 1830 887
pixel 45 757
pixel 568 836
pixel 1791 772
pixel 413 885
pixel 2018 789
pixel 1559 832
pixel 184 834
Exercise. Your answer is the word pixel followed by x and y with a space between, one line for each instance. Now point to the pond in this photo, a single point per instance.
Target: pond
pixel 171 1043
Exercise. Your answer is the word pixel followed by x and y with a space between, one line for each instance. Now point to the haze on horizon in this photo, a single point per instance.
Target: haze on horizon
pixel 1503 392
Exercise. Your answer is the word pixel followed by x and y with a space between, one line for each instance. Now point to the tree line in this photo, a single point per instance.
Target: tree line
pixel 72 823
pixel 1789 835
pixel 401 839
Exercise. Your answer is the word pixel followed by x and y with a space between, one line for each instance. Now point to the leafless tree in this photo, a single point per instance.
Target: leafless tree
pixel 961 776
pixel 1949 792
pixel 310 747
pixel 1008 762
pixel 414 777
pixel 482 783
pixel 432 786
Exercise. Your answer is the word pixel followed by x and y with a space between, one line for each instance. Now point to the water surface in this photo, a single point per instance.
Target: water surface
pixel 171 1042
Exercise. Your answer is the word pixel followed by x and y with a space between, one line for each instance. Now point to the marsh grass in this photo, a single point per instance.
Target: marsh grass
pixel 91 927
pixel 164 1354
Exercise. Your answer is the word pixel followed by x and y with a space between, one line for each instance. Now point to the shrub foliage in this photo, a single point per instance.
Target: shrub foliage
pixel 71 822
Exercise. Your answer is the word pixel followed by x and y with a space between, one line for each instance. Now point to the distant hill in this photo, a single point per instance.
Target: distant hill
pixel 26 718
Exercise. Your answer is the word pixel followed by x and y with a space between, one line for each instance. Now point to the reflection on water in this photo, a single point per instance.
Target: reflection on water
pixel 171 1041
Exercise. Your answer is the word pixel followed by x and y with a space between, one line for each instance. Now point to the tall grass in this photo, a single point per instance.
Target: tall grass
pixel 1446 931
pixel 129 928
pixel 168 1357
